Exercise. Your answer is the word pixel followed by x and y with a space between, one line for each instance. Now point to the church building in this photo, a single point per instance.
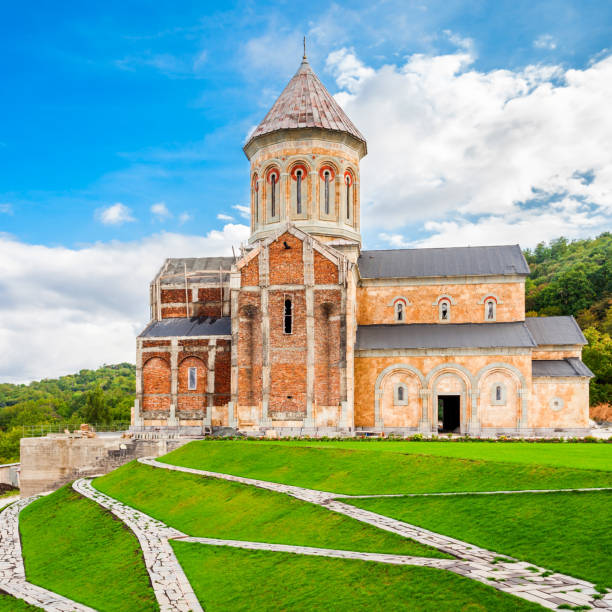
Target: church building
pixel 305 333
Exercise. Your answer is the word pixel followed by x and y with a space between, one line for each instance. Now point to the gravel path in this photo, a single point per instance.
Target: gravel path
pixel 504 573
pixel 171 587
pixel 12 571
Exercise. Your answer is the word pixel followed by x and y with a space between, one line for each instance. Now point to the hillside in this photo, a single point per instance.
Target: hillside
pixel 575 278
pixel 94 396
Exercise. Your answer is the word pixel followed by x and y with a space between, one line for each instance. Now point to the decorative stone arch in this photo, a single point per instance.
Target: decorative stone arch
pixel 190 356
pixel 378 387
pixel 523 391
pixel 162 357
pixel 400 297
pixel 445 296
pixel 492 296
pixel 466 396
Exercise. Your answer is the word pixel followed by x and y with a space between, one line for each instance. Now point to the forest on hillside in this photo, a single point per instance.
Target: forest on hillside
pixel 567 278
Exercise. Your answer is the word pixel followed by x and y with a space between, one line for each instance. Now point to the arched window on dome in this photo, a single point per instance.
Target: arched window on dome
pixel 299 189
pixel 255 192
pixel 348 187
pixel 327 191
pixel 272 196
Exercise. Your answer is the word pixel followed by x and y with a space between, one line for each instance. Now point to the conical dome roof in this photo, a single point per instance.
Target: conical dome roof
pixel 305 103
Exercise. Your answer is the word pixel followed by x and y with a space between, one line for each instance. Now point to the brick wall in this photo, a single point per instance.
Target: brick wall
pixel 327 347
pixel 286 265
pixel 156 379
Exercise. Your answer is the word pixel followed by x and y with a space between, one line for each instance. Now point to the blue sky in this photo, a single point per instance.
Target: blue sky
pixel 122 126
pixel 144 102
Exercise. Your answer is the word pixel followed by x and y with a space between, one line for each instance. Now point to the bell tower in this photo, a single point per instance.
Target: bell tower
pixel 304 158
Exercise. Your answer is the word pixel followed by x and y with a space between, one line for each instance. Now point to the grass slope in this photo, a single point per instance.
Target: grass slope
pixel 280 581
pixel 218 509
pixel 568 455
pixel 76 548
pixel 351 471
pixel 12 604
pixel 566 532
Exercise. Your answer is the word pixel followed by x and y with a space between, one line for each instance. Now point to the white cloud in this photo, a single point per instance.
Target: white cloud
pixel 160 211
pixel 116 214
pixel 6 209
pixel 224 217
pixel 184 217
pixel 65 309
pixel 245 211
pixel 545 41
pixel 449 143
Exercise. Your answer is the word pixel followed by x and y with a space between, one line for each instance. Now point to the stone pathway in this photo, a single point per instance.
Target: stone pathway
pixel 171 587
pixel 12 571
pixel 482 492
pixel 504 573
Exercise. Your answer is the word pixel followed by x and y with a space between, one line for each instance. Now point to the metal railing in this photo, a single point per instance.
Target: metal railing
pixel 36 431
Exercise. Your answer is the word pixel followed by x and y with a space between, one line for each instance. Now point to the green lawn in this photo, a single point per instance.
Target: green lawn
pixel 233 579
pixel 214 508
pixel 12 604
pixel 566 532
pixel 75 548
pixel 586 456
pixel 351 470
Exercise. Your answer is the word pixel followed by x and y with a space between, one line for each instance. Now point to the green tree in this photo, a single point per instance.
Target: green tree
pixel 96 408
pixel 597 355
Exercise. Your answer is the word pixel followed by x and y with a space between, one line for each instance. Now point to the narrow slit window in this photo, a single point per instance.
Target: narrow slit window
pixel 348 196
pixel 327 176
pixel 400 394
pixel 273 195
pixel 256 204
pixel 498 393
pixel 288 316
pixel 192 379
pixel 298 187
pixel 490 311
pixel 399 311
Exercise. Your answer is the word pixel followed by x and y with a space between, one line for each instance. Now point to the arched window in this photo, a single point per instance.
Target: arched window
pixel 288 316
pixel 399 311
pixel 255 199
pixel 298 191
pixel 348 182
pixel 326 191
pixel 490 308
pixel 400 395
pixel 444 310
pixel 273 177
pixel 273 195
pixel 498 394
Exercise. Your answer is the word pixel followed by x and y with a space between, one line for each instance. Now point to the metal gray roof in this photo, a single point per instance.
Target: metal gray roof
pixel 305 103
pixel 436 335
pixel 199 269
pixel 560 367
pixel 555 330
pixel 168 328
pixel 452 261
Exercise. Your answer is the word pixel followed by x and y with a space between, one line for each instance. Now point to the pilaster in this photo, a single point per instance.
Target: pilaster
pixel 210 381
pixel 425 423
pixel 264 282
pixel 174 349
pixel 308 258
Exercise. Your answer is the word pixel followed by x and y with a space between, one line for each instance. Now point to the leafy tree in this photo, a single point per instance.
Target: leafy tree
pixel 597 355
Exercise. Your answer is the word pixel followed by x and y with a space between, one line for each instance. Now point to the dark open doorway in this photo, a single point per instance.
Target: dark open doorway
pixel 449 411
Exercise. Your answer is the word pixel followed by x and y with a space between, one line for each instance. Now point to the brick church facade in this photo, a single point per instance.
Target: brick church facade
pixel 307 334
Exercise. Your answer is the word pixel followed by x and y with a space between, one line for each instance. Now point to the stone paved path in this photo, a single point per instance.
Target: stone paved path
pixel 171 587
pixel 453 493
pixel 522 579
pixel 12 571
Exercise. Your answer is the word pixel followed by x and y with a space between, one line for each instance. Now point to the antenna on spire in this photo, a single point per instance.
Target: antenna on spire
pixel 304 48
